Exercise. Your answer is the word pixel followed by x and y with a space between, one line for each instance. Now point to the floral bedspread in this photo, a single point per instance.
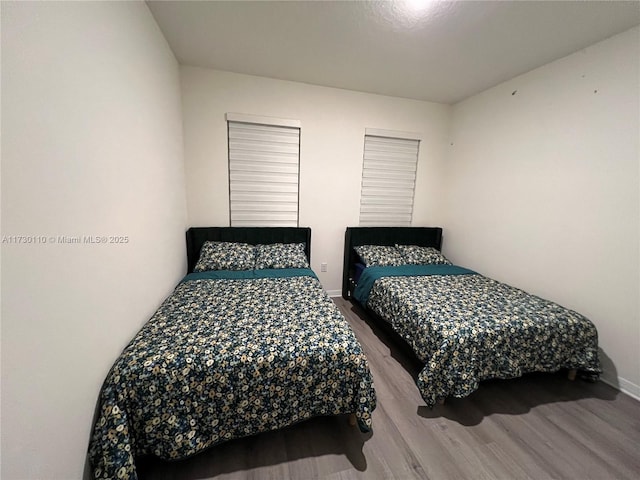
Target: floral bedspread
pixel 468 328
pixel 227 358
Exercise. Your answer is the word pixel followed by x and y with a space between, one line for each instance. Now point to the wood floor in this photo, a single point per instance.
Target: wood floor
pixel 538 427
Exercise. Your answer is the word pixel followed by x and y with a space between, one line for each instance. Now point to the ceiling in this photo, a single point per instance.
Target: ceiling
pixel 436 51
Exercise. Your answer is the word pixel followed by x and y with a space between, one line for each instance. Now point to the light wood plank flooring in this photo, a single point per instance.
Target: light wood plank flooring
pixel 537 427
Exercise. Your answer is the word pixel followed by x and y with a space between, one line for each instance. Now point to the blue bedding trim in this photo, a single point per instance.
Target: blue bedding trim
pixel 371 274
pixel 249 274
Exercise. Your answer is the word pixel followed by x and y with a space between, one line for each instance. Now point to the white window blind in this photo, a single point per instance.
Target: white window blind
pixel 388 180
pixel 263 172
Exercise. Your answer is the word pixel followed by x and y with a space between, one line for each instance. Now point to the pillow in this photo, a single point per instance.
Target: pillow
pixel 225 256
pixel 379 255
pixel 281 255
pixel 416 255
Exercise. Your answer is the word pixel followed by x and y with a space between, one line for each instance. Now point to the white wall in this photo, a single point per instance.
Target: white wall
pixel 542 190
pixel 332 135
pixel 91 145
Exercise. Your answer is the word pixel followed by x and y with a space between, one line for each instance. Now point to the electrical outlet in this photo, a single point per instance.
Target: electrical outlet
pixel 323 267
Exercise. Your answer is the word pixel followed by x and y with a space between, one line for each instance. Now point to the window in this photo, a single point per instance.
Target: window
pixel 264 170
pixel 388 178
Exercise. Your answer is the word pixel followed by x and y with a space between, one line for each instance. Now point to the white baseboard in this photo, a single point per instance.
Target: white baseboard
pixel 624 385
pixel 334 293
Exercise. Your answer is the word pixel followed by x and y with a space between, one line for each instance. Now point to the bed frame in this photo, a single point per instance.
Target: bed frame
pixel 423 236
pixel 355 236
pixel 196 236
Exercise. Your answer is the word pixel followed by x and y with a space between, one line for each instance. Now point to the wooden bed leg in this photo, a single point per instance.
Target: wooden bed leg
pixel 352 419
pixel 440 400
pixel 571 375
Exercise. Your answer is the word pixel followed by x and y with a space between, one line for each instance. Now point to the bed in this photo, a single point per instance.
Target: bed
pixel 462 326
pixel 243 345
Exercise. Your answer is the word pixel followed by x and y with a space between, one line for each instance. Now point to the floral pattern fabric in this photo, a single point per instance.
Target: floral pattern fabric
pixel 225 256
pixel 468 328
pixel 379 255
pixel 417 255
pixel 281 255
pixel 223 359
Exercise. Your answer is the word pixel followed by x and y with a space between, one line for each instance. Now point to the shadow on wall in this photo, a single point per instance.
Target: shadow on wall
pixel 87 474
pixel 609 370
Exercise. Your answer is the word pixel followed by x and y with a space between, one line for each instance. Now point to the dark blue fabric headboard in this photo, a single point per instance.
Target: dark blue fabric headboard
pixel 196 236
pixel 354 236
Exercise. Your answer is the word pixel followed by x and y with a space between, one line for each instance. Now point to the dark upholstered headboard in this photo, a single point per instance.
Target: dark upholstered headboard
pixel 196 236
pixel 354 236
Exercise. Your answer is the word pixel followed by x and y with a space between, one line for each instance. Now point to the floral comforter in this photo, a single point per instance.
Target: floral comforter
pixel 224 358
pixel 468 328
